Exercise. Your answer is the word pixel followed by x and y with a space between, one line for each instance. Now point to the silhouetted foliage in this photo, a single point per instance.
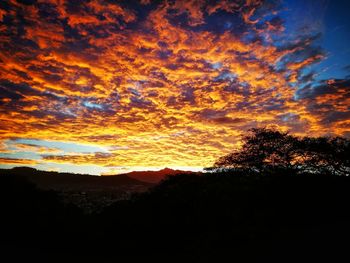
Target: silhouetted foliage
pixel 267 150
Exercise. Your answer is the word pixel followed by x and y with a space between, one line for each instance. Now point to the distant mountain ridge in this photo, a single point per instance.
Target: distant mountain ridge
pixel 63 181
pixel 56 180
pixel 155 176
pixel 90 193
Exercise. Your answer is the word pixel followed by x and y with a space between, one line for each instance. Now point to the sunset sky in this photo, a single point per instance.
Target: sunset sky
pixel 106 87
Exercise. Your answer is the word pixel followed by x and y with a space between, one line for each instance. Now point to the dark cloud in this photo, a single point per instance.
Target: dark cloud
pixel 328 101
pixel 15 91
pixel 328 87
pixel 347 68
pixel 305 78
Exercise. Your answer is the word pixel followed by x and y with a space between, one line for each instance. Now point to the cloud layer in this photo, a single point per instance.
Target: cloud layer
pixel 158 83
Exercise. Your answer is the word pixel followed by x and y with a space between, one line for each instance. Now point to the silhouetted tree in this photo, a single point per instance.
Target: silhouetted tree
pixel 266 150
pixel 325 155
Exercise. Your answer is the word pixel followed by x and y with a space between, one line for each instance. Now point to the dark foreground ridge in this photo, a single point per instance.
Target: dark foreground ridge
pixel 240 215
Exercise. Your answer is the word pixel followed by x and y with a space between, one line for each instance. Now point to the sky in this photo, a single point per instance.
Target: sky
pixel 106 87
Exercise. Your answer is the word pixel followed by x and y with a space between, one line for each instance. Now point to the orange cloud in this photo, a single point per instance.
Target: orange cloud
pixel 13 161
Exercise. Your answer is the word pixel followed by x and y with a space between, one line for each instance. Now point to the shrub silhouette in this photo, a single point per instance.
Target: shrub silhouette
pixel 268 150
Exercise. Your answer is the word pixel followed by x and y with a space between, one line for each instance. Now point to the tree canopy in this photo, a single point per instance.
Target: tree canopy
pixel 266 150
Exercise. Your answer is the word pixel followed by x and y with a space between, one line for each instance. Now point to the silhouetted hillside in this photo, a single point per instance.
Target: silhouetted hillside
pixel 234 216
pixel 63 181
pixel 86 191
pixel 33 221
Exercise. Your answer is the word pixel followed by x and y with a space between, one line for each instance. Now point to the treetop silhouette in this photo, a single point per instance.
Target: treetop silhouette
pixel 267 150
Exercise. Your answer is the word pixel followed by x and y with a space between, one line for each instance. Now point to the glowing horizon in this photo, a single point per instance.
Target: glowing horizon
pixel 111 86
